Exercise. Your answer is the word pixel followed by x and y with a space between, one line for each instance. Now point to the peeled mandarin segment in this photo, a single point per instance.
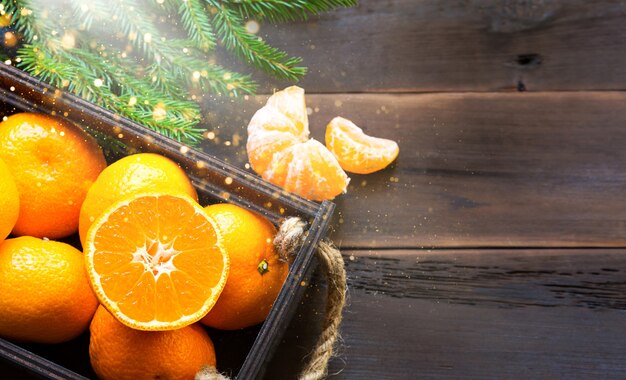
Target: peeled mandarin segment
pixel 356 151
pixel 269 118
pixel 281 123
pixel 290 102
pixel 279 149
pixel 309 170
pixel 155 261
pixel 261 147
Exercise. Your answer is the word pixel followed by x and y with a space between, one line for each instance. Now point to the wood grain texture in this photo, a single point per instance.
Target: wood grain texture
pixel 528 314
pixel 506 169
pixel 451 45
pixel 477 171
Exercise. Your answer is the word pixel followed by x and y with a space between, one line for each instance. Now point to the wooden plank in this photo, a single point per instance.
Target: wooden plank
pixel 515 169
pixel 479 45
pixel 477 314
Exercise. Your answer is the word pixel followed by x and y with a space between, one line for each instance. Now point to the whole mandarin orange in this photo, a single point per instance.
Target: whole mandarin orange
pixel 256 273
pixel 119 352
pixel 9 201
pixel 53 163
pixel 138 173
pixel 46 296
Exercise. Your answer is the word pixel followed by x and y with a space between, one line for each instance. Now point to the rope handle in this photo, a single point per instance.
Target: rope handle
pixel 290 237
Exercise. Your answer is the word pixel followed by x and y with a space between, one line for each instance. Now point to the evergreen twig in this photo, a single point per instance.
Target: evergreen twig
pixel 150 78
pixel 285 10
pixel 253 50
pixel 197 23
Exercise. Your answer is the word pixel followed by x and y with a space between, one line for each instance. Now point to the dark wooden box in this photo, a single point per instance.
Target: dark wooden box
pixel 243 353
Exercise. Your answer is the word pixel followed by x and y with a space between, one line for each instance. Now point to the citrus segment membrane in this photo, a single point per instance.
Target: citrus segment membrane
pixel 155 261
pixel 290 102
pixel 356 151
pixel 308 169
pixel 280 151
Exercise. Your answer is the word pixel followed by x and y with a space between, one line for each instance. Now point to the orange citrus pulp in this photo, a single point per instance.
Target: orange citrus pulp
pixel 279 149
pixel 155 261
pixel 134 174
pixel 356 151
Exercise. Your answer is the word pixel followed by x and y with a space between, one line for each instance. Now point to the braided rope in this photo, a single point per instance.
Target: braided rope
pixel 290 237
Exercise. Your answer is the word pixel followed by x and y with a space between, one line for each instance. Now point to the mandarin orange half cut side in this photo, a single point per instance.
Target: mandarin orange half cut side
pixel 280 151
pixel 356 151
pixel 155 261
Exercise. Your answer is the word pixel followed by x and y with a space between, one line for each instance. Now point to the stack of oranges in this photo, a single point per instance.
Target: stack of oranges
pixel 154 266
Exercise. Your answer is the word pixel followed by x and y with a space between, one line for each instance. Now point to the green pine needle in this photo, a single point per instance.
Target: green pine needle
pixel 151 70
pixel 230 27
pixel 285 10
pixel 197 23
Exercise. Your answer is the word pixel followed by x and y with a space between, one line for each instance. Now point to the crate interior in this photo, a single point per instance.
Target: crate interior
pixel 215 182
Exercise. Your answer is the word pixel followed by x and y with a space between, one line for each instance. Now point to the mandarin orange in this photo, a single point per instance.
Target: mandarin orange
pixel 53 163
pixel 155 261
pixel 256 273
pixel 118 352
pixel 356 151
pixel 9 201
pixel 46 297
pixel 132 174
pixel 309 170
pixel 279 133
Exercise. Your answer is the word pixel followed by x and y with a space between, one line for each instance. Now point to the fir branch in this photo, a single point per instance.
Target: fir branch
pixel 39 61
pixel 197 23
pixel 26 21
pixel 286 10
pixel 170 117
pixel 148 82
pixel 163 80
pixel 86 13
pixel 251 48
pixel 140 29
pixel 210 77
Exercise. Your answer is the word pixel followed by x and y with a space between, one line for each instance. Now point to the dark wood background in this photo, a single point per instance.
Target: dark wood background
pixel 495 247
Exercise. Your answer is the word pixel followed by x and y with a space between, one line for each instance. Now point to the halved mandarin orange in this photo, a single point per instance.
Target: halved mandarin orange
pixel 356 151
pixel 155 261
pixel 279 149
